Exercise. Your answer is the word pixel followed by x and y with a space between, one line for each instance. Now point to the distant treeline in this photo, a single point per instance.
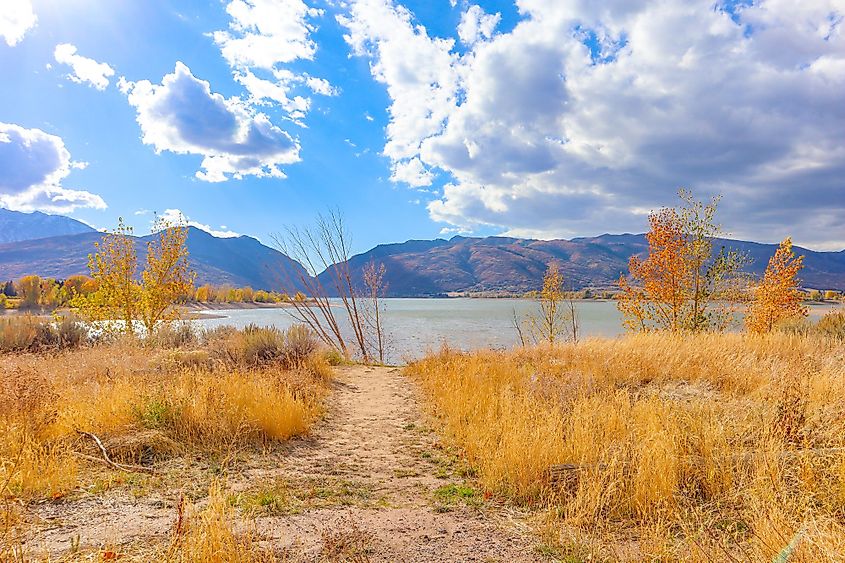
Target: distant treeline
pixel 35 292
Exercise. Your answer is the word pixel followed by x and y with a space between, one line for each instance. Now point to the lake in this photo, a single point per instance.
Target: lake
pixel 415 326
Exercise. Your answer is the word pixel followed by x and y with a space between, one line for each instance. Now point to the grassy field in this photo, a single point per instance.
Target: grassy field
pixel 697 447
pixel 157 407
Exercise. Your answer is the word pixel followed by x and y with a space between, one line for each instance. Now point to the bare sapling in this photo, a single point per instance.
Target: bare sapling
pixel 324 251
pixel 556 317
pixel 375 287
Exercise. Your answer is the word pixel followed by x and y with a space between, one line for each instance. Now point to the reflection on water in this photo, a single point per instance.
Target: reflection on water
pixel 415 326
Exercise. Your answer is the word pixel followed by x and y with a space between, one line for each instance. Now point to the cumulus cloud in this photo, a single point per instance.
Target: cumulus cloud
pixel 84 69
pixel 16 18
pixel 585 113
pixel 34 165
pixel 477 25
pixel 182 115
pixel 176 217
pixel 263 37
pixel 420 73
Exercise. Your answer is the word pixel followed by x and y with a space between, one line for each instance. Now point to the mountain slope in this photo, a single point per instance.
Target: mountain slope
pixel 517 265
pixel 16 226
pixel 237 261
pixel 414 268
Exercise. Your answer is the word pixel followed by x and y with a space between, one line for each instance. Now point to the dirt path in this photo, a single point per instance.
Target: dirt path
pixel 392 493
pixel 369 483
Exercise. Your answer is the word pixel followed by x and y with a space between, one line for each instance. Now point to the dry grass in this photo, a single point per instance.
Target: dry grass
pixel 699 447
pixel 145 404
pixel 209 535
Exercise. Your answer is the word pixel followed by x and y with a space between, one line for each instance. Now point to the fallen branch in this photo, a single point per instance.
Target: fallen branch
pixel 108 460
pixel 560 471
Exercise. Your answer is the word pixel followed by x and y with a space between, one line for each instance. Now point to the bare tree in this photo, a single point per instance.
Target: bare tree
pixel 325 249
pixel 375 287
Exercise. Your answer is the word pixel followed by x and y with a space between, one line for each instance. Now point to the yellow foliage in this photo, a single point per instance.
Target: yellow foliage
pixel 120 295
pixel 777 298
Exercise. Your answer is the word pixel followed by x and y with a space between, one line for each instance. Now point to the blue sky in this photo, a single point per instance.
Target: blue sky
pixel 427 118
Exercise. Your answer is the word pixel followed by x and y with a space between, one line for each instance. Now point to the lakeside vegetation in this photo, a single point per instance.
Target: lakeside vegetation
pixel 160 408
pixel 678 441
pixel 683 447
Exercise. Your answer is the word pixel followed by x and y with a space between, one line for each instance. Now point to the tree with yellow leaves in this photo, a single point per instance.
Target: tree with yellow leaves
pixel 121 294
pixel 556 317
pixel 777 297
pixel 676 286
pixel 29 290
pixel 167 277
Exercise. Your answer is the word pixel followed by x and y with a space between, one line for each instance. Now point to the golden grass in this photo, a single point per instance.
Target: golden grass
pixel 141 407
pixel 688 447
pixel 208 535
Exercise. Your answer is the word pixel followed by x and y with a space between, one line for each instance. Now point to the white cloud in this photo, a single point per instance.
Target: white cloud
pixel 16 18
pixel 419 71
pixel 265 33
pixel 586 112
pixel 477 25
pixel 176 217
pixel 263 37
pixel 182 115
pixel 84 69
pixel 34 165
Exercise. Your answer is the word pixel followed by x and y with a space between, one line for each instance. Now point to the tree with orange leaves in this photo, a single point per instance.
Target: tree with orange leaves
pixel 777 298
pixel 675 287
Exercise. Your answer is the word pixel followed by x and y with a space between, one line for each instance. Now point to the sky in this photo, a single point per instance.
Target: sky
pixel 428 118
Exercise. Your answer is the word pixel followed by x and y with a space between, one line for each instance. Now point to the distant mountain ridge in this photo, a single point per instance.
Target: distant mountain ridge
pixel 414 268
pixel 502 264
pixel 239 261
pixel 17 226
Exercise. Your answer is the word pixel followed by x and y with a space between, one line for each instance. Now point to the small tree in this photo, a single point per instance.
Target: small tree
pixel 675 287
pixel 114 266
pixel 375 288
pixel 777 297
pixel 29 290
pixel 556 317
pixel 167 277
pixel 324 252
pixel 121 295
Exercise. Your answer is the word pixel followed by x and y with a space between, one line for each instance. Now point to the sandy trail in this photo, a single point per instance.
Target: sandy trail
pixel 369 483
pixel 374 439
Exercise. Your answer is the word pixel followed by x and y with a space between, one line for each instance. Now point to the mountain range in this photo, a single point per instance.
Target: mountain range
pixel 54 246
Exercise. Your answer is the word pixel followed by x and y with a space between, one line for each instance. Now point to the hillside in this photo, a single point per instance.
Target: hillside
pixel 414 268
pixel 237 261
pixel 464 264
pixel 16 226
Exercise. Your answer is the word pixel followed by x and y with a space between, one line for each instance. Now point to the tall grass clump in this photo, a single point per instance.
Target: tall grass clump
pixel 208 534
pixel 28 333
pixel 146 405
pixel 694 445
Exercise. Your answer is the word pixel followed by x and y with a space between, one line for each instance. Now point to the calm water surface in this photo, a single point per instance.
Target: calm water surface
pixel 415 326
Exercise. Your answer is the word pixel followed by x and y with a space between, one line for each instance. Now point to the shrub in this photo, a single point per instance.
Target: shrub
pixel 32 334
pixel 832 324
pixel 71 333
pixel 259 346
pixel 174 335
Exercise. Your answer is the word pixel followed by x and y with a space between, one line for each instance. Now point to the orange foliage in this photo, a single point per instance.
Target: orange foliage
pixel 663 274
pixel 777 298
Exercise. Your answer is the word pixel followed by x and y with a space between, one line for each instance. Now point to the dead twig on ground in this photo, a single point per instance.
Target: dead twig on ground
pixel 108 460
